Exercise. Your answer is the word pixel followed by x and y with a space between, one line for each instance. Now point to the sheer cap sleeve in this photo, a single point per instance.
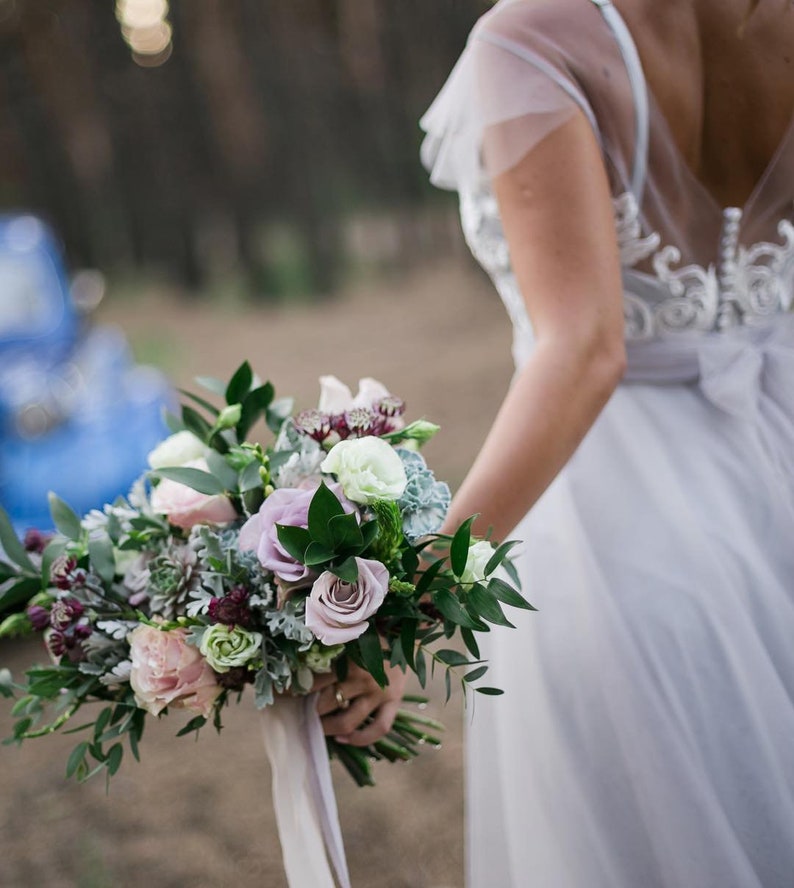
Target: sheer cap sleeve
pixel 511 87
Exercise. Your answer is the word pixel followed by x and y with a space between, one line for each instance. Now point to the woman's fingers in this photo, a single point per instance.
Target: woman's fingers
pixel 343 721
pixel 377 728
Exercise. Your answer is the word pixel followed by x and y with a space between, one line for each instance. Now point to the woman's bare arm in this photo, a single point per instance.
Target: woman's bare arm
pixel 557 215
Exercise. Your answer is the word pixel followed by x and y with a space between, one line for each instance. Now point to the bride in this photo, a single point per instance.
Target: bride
pixel 626 177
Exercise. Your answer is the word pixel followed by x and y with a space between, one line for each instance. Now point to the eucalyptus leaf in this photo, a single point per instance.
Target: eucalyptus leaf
pixel 459 547
pixel 294 539
pixel 76 757
pixel 323 507
pixel 197 479
pixel 222 470
pixel 369 645
pixel 475 674
pixel 316 554
pixel 345 534
pixel 103 560
pixel 173 422
pixel 451 657
pixel 250 478
pixel 64 518
pixel 9 541
pixel 212 384
pixel 347 570
pixel 254 405
pixel 426 579
pixel 114 758
pixel 195 422
pixel 240 384
pixel 471 643
pixel 499 556
pixel 490 692
pixel 421 667
pixel 202 402
pixel 16 592
pixel 452 609
pixel 277 412
pixel 508 594
pixel 487 606
pixel 408 641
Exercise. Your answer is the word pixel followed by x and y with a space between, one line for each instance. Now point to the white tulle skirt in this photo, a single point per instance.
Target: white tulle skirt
pixel 646 737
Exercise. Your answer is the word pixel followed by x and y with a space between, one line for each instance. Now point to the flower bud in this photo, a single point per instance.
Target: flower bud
pixel 39 617
pixel 229 416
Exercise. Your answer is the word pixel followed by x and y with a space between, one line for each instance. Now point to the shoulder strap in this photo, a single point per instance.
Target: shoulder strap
pixel 639 91
pixel 542 65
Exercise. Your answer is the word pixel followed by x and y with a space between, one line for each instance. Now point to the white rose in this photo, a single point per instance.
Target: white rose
pixel 367 468
pixel 479 555
pixel 178 449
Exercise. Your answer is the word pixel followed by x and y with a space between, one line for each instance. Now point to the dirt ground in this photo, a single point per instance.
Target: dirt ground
pixel 199 814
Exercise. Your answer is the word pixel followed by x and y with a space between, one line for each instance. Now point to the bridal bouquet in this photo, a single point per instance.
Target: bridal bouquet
pixel 232 564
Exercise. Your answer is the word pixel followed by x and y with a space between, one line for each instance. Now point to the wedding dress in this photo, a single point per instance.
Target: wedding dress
pixel 646 737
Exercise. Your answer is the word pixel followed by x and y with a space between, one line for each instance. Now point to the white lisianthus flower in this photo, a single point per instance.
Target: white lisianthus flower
pixel 367 468
pixel 479 555
pixel 176 450
pixel 226 647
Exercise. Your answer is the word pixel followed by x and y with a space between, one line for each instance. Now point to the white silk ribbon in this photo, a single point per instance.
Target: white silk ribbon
pixel 303 794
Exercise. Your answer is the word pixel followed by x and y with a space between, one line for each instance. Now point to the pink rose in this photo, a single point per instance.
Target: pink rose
pixel 289 506
pixel 167 671
pixel 337 611
pixel 185 507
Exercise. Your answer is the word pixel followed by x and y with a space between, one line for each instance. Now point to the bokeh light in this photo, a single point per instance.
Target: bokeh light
pixel 146 30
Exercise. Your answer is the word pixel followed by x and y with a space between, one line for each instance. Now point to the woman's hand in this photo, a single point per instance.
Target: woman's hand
pixel 345 706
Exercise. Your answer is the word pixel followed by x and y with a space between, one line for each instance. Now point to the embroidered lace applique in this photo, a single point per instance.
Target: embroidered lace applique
pixel 745 286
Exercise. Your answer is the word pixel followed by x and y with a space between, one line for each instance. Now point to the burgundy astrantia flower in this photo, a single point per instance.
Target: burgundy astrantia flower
pixel 236 678
pixel 361 421
pixel 64 612
pixel 65 574
pixel 313 423
pixel 35 540
pixel 39 617
pixel 232 609
pixel 67 642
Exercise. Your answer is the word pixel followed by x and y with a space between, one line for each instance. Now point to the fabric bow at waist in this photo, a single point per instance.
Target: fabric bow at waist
pixel 747 372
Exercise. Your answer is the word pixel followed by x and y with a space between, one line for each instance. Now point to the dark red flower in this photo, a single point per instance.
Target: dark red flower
pixel 232 609
pixel 64 612
pixel 236 678
pixel 35 540
pixel 39 617
pixel 313 423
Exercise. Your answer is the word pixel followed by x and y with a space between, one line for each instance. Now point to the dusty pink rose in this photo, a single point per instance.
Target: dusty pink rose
pixel 167 671
pixel 185 507
pixel 337 611
pixel 289 506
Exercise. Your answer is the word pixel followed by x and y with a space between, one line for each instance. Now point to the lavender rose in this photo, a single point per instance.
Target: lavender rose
pixel 290 506
pixel 167 671
pixel 337 611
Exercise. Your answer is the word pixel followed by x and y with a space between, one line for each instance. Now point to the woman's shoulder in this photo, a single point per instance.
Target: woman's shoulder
pixel 528 19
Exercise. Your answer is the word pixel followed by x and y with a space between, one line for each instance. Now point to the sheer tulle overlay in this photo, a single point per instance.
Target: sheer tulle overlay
pixel 645 738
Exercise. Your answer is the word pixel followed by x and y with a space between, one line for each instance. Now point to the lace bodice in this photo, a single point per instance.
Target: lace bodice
pixel 744 286
pixel 689 266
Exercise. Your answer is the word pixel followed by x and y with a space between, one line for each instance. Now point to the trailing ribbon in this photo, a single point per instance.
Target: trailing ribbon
pixel 303 794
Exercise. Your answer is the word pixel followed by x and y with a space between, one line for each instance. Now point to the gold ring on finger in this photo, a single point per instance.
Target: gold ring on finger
pixel 341 700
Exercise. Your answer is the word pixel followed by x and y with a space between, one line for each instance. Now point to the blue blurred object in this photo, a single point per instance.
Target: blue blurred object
pixel 77 416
